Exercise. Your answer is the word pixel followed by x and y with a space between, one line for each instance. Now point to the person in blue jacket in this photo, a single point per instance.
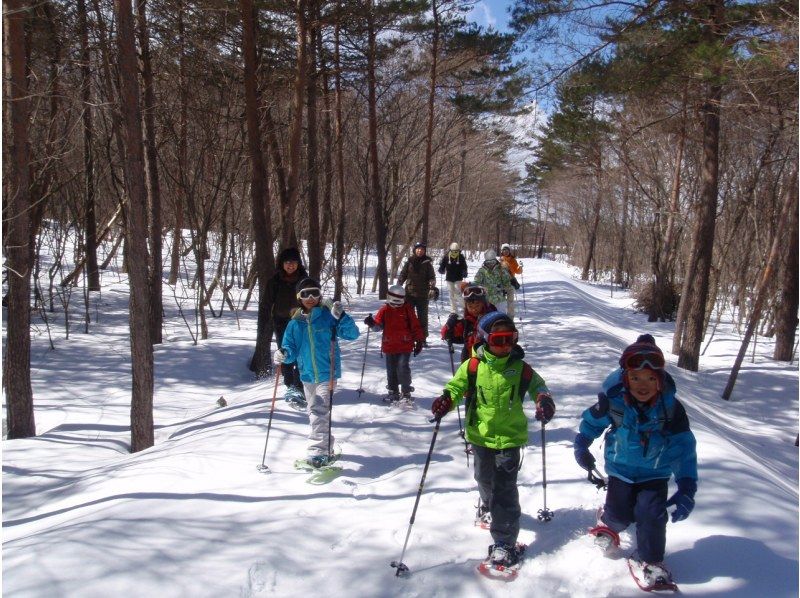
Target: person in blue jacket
pixel 648 442
pixel 308 340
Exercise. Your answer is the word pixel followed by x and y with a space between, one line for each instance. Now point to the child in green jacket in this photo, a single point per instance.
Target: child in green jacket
pixel 493 383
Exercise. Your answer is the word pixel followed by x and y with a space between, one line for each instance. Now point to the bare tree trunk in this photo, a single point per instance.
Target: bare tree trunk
pixel 339 281
pixel 598 204
pixel 178 204
pixel 151 170
pixel 789 207
pixel 786 309
pixel 261 362
pixel 90 217
pixel 375 175
pixel 462 183
pixel 289 202
pixel 16 238
pixel 699 270
pixel 314 242
pixel 142 436
pixel 427 191
pixel 327 128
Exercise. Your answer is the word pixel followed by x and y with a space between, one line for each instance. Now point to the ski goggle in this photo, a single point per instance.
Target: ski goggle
pixel 394 299
pixel 502 339
pixel 652 360
pixel 310 293
pixel 474 293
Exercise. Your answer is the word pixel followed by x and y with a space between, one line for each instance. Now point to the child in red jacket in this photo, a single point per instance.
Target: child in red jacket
pixel 402 334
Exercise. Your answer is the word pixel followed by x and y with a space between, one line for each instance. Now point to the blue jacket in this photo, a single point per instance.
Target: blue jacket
pixel 652 443
pixel 307 341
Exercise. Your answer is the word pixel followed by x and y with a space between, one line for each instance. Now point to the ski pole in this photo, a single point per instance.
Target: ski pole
pixel 399 565
pixel 263 467
pixel 522 287
pixel 363 365
pixel 544 514
pixel 331 382
pixel 458 408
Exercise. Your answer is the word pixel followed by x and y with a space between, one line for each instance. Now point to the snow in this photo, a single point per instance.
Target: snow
pixel 192 516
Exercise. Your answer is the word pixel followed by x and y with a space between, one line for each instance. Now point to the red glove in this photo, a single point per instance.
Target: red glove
pixel 441 406
pixel 545 408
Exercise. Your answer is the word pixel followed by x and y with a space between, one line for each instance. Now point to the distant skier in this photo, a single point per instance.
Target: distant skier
pixel 454 266
pixel 509 261
pixel 281 295
pixel 495 279
pixel 464 330
pixel 419 278
pixel 307 341
pixel 402 335
pixel 493 385
pixel 649 441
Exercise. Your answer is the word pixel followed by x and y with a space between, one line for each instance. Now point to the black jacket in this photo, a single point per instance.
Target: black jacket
pixel 418 276
pixel 456 268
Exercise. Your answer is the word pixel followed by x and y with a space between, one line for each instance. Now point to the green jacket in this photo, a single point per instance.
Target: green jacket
pixel 494 417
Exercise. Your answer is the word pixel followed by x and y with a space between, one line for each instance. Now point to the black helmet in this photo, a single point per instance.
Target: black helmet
pixel 419 244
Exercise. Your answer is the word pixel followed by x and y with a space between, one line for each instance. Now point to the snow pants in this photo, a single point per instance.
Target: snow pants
pixel 510 296
pixel 291 375
pixel 421 307
pixel 398 371
pixel 456 299
pixel 319 416
pixel 496 474
pixel 644 503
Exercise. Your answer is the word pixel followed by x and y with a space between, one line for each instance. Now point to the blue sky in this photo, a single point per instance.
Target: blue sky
pixel 491 13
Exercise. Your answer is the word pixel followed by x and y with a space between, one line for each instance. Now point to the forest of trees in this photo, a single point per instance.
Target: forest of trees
pixel 221 132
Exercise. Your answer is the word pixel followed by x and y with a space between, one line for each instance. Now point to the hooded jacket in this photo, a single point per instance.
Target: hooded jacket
pixel 494 416
pixel 307 341
pixel 496 280
pixel 453 269
pixel 401 328
pixel 652 441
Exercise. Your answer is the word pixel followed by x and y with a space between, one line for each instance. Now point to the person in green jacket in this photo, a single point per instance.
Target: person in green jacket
pixel 493 384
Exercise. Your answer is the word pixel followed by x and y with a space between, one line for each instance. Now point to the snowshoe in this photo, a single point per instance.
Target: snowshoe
pixel 503 562
pixel 483 517
pixel 605 538
pixel 321 467
pixel 651 577
pixel 391 398
pixel 295 398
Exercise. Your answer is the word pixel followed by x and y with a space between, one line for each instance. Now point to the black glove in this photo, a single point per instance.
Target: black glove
pixel 545 408
pixel 514 283
pixel 582 455
pixel 417 348
pixel 441 406
pixel 369 321
pixel 683 499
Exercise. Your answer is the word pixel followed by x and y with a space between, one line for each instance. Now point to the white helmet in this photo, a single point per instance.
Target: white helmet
pixel 396 295
pixel 490 255
pixel 454 247
pixel 505 246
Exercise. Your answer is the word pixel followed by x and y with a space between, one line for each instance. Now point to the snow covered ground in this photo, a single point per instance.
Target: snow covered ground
pixel 193 516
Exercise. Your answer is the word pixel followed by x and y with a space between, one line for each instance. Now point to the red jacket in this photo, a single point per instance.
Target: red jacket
pixel 401 328
pixel 465 330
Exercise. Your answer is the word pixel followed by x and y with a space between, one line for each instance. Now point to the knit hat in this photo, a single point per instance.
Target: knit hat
pixel 396 295
pixel 454 247
pixel 505 246
pixel 490 255
pixel 490 320
pixel 290 254
pixel 644 353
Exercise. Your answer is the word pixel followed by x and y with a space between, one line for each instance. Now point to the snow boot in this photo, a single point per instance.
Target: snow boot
pixel 504 555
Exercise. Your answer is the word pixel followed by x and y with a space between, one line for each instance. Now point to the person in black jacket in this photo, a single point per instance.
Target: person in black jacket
pixel 281 295
pixel 454 267
pixel 420 283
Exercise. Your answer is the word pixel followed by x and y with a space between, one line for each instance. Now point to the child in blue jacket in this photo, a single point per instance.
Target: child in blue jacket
pixel 308 340
pixel 649 441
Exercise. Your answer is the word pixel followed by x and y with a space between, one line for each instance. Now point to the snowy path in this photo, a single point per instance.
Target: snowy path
pixel 193 517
